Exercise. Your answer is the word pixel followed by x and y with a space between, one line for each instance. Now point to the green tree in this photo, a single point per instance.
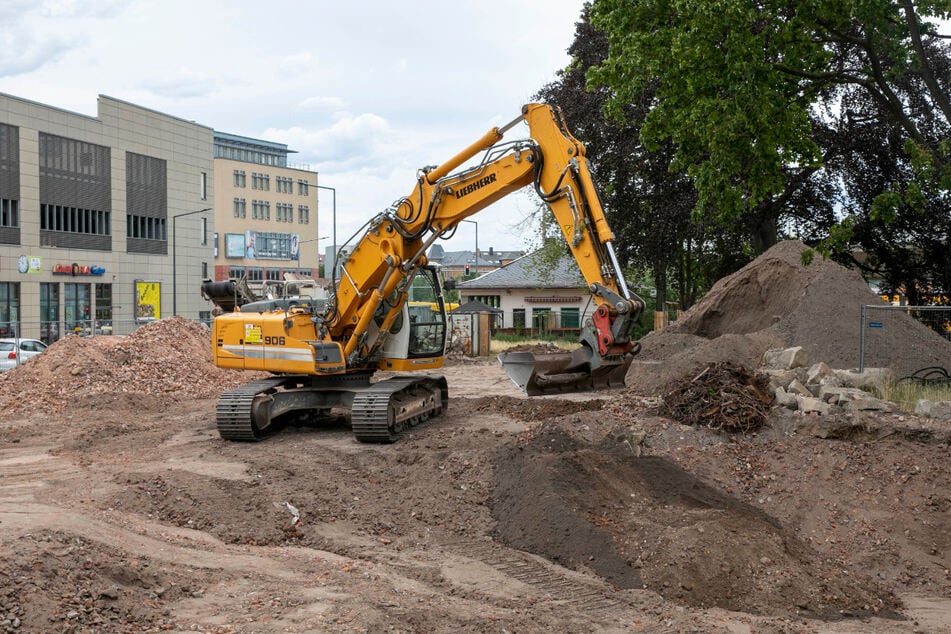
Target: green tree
pixel 648 206
pixel 773 109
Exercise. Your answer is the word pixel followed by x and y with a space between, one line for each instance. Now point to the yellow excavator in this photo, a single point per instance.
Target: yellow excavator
pixel 323 352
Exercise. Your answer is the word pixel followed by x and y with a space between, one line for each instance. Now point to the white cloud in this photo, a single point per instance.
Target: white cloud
pixel 321 103
pixel 364 93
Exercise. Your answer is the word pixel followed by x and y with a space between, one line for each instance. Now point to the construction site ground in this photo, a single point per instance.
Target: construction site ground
pixel 121 509
pixel 505 514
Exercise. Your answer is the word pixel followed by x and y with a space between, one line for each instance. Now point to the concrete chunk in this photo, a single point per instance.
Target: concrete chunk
pixel 809 405
pixel 796 387
pixel 818 372
pixel 785 358
pixel 785 399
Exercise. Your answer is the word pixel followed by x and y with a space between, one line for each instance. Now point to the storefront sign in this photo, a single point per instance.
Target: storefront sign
pixel 77 269
pixel 30 264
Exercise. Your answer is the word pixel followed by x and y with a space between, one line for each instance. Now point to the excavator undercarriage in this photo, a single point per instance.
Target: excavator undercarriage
pixel 380 411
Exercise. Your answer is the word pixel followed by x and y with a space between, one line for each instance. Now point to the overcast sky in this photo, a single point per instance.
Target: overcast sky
pixel 365 92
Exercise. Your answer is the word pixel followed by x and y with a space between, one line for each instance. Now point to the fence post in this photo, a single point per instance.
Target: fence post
pixel 863 318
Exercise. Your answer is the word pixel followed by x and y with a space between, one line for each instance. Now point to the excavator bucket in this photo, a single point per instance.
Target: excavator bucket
pixel 560 373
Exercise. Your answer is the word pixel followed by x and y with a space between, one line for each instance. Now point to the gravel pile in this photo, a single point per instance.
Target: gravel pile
pixel 170 359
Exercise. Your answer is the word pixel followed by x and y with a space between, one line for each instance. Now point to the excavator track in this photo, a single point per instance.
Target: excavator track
pixel 235 411
pixel 387 408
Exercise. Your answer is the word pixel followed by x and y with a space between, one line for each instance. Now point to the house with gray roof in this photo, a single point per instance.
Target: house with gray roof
pixel 455 263
pixel 533 295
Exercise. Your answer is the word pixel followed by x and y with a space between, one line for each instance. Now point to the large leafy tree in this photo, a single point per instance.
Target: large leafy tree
pixel 769 104
pixel 647 205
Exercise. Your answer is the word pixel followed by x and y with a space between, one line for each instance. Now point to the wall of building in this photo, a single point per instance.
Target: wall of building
pixel 186 148
pixel 237 226
pixel 553 300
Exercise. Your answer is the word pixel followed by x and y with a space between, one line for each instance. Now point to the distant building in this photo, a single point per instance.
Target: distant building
pixel 266 214
pixel 89 207
pixel 532 295
pixel 455 264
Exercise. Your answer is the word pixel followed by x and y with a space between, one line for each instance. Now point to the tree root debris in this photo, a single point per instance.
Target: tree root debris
pixel 723 396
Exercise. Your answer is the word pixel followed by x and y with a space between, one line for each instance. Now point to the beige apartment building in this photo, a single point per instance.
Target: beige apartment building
pixel 105 221
pixel 266 213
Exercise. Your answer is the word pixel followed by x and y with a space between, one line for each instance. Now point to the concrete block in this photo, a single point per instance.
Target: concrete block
pixel 809 405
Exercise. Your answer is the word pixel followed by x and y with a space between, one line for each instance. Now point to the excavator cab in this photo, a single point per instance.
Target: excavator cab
pixel 417 339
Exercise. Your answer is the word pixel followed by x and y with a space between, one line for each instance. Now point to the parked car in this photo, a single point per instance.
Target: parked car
pixel 13 352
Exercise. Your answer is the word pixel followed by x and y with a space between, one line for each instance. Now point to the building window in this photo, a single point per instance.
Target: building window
pixel 204 270
pixel 494 301
pixel 518 318
pixel 260 181
pixel 235 272
pixel 273 246
pixel 284 212
pixel 240 179
pixel 103 325
pixel 255 274
pixel 570 318
pixel 541 319
pixel 303 188
pixel 146 227
pixel 240 208
pixel 76 307
pixel 9 213
pixel 273 274
pixel 75 220
pixel 49 312
pixel 303 214
pixel 285 185
pixel 203 186
pixel 204 231
pixel 9 309
pixel 261 210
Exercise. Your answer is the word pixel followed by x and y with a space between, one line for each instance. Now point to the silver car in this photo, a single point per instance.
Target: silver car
pixel 13 352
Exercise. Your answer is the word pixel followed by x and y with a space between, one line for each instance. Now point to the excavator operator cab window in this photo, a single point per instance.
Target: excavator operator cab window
pixel 427 316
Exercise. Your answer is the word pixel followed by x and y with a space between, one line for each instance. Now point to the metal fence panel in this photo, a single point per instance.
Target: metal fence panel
pixel 905 338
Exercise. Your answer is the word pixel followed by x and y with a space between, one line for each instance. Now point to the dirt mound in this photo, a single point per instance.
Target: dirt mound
pixel 166 360
pixel 777 301
pixel 645 522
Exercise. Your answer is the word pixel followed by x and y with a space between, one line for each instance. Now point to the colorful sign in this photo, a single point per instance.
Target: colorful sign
pixel 77 269
pixel 148 300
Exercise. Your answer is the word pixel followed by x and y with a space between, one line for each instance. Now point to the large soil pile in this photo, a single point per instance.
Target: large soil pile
pixel 777 301
pixel 167 360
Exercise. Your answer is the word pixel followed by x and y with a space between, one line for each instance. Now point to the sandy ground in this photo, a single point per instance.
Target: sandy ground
pixel 570 514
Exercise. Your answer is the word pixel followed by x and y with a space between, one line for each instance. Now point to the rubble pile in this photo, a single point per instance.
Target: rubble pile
pixel 819 389
pixel 170 359
pixel 778 302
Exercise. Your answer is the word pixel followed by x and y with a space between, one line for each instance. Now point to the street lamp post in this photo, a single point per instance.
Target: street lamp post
pixel 174 257
pixel 476 269
pixel 333 277
pixel 334 192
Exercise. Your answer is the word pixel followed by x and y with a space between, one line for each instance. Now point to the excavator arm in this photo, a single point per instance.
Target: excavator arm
pixel 373 285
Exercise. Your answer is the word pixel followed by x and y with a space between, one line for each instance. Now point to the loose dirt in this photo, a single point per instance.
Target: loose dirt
pixel 121 509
